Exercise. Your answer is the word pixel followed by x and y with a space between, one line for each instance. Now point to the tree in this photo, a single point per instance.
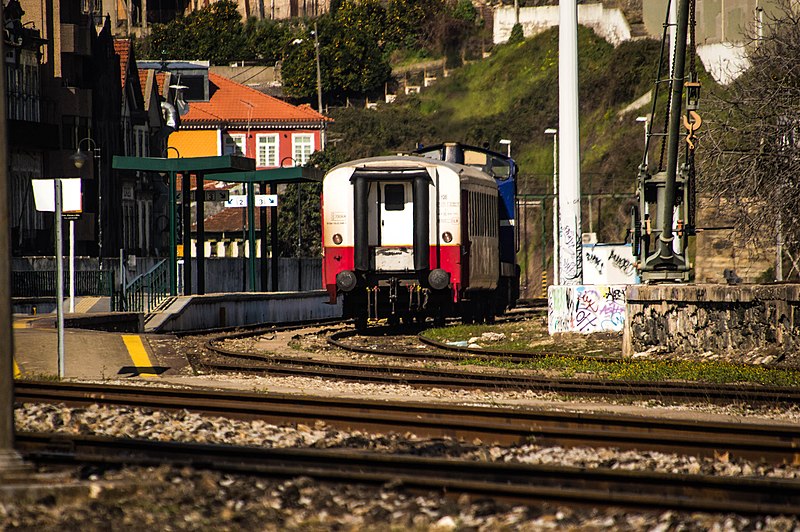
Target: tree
pixel 752 145
pixel 516 34
pixel 214 33
pixel 352 56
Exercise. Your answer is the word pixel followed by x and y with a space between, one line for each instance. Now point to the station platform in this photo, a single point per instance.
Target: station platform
pixel 104 345
pixel 89 354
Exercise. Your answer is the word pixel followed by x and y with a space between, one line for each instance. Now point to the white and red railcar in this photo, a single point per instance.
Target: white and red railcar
pixel 409 237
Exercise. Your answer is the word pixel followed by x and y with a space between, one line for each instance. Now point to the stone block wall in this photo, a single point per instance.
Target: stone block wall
pixel 713 318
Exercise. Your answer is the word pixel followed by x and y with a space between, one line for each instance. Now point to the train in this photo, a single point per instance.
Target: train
pixel 425 235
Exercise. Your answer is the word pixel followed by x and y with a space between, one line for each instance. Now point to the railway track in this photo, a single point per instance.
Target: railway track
pixel 504 481
pixel 228 360
pixel 773 443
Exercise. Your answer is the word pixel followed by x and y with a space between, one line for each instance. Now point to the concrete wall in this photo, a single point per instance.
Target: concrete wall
pixel 713 318
pixel 724 61
pixel 609 264
pixel 610 24
pixel 718 248
pixel 229 275
pixel 226 310
pixel 585 308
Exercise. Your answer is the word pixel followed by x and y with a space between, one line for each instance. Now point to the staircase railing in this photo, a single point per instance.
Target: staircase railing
pixel 147 291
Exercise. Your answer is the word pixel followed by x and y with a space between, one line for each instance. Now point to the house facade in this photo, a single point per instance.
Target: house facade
pixel 75 91
pixel 222 117
pixel 238 120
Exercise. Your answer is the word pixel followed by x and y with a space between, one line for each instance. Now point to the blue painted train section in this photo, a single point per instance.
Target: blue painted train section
pixel 504 170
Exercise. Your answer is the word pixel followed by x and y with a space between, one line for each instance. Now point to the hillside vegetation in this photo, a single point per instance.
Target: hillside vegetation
pixel 514 95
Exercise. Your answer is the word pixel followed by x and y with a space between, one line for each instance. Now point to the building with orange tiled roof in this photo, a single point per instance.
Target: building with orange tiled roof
pixel 237 119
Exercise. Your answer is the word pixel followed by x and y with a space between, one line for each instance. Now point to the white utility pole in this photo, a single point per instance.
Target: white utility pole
pixel 554 132
pixel 569 202
pixel 71 266
pixel 59 278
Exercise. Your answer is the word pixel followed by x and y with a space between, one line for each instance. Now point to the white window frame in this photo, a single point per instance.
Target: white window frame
pixel 302 158
pixel 237 140
pixel 271 140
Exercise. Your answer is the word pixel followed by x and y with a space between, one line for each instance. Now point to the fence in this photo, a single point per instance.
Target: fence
pixel 42 283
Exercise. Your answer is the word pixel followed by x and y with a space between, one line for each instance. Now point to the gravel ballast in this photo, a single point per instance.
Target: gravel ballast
pixel 184 499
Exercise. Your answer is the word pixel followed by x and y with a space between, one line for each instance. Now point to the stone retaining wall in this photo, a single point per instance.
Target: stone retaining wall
pixel 713 318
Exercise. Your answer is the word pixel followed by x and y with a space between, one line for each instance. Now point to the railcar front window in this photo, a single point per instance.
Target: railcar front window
pixel 395 198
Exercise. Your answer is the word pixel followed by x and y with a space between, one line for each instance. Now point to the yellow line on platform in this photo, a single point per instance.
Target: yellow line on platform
pixel 136 350
pixel 17 372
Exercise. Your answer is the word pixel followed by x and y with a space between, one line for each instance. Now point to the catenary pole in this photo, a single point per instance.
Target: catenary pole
pixel 10 460
pixel 569 175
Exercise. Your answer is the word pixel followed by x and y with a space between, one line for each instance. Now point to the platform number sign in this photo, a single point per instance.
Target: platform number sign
pixel 262 200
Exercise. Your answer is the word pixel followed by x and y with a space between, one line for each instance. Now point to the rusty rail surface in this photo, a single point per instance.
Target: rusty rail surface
pixel 281 365
pixel 505 481
pixel 774 443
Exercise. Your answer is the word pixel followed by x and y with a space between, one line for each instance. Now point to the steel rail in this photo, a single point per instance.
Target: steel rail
pixel 451 352
pixel 773 443
pixel 505 481
pixel 412 376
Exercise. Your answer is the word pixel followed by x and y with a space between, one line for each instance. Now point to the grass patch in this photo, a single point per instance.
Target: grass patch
pixel 559 357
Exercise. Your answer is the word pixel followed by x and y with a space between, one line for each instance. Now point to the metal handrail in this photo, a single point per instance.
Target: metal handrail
pixel 147 291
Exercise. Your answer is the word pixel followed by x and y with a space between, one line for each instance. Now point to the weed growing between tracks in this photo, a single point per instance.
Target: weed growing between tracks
pixel 569 355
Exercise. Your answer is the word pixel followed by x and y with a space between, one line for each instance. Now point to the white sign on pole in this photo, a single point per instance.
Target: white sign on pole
pixel 262 200
pixel 45 199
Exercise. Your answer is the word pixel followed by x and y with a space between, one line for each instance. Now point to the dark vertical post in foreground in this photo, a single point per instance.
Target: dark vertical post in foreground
pixel 200 198
pixel 186 205
pixel 264 242
pixel 10 460
pixel 273 230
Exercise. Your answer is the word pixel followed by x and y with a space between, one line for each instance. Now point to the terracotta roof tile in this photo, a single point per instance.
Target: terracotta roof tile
pixel 143 74
pixel 232 102
pixel 122 47
pixel 207 184
pixel 160 77
pixel 228 221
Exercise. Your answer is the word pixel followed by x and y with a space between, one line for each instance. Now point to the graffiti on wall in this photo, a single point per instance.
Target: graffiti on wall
pixel 609 264
pixel 585 308
pixel 571 258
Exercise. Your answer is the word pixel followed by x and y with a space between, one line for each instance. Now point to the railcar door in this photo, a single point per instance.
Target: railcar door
pixel 395 250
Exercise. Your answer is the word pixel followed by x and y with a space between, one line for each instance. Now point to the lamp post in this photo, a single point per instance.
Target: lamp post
pixel 79 158
pixel 646 121
pixel 507 143
pixel 554 132
pixel 173 254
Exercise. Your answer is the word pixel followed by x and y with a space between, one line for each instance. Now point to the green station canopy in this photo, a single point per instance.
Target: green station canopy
pixel 220 164
pixel 292 174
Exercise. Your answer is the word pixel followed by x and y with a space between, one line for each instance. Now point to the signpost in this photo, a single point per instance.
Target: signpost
pixel 262 200
pixel 210 195
pixel 59 195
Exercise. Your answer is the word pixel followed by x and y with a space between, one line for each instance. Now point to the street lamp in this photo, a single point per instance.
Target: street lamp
pixel 79 158
pixel 173 254
pixel 646 121
pixel 316 57
pixel 507 143
pixel 554 132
